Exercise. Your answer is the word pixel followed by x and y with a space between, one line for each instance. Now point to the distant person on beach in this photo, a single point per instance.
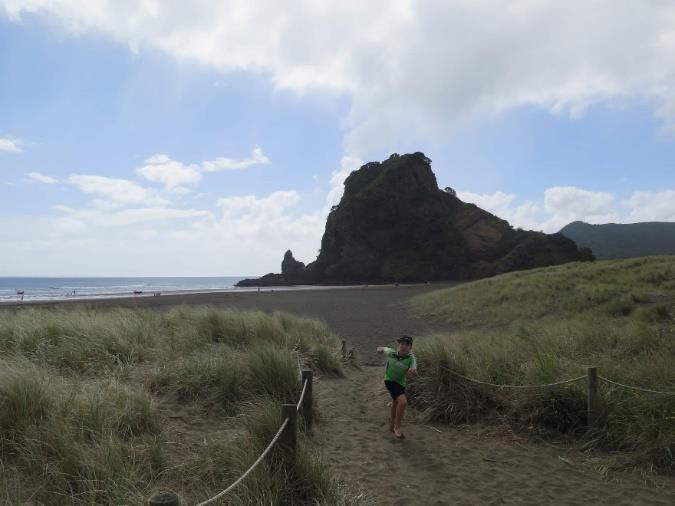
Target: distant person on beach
pixel 401 363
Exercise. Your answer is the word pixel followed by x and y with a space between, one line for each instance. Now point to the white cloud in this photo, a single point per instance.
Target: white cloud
pixel 651 206
pixel 158 159
pixel 164 239
pixel 160 168
pixel 78 221
pixel 577 201
pixel 492 203
pixel 568 203
pixel 561 205
pixel 257 157
pixel 10 145
pixel 502 205
pixel 116 193
pixel 248 235
pixel 267 208
pixel 41 178
pixel 408 66
pixel 337 180
pixel 180 190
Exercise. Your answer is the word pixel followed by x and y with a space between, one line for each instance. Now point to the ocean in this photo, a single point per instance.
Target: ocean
pixel 35 289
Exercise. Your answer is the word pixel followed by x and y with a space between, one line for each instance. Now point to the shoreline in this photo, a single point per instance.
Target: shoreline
pixel 128 295
pixel 171 296
pixel 366 316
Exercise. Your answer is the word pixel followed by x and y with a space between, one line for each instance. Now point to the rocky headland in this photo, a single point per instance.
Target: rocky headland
pixel 394 224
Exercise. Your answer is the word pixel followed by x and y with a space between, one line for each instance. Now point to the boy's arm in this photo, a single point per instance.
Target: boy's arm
pixel 412 371
pixel 384 349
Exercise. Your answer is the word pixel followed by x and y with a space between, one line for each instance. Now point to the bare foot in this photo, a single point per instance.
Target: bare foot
pixel 398 433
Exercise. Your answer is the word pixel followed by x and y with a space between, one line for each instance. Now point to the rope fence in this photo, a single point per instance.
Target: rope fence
pixel 557 383
pixel 545 385
pixel 302 395
pixel 631 387
pixel 287 433
pixel 250 469
pixel 594 404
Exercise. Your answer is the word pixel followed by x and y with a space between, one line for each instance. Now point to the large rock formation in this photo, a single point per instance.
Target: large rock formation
pixel 292 273
pixel 290 267
pixel 394 224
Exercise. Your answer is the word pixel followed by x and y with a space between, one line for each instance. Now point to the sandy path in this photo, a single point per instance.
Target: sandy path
pixel 449 465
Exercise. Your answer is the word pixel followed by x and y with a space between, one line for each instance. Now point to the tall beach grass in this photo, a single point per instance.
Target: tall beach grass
pixel 548 325
pixel 105 407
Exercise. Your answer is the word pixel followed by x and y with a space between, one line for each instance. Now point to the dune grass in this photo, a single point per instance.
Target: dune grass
pixel 72 439
pixel 308 482
pixel 550 324
pixel 105 407
pixel 609 288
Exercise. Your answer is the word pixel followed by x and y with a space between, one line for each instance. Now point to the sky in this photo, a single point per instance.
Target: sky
pixel 205 138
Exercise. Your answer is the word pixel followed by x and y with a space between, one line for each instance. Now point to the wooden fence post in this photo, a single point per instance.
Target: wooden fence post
pixel 164 499
pixel 593 402
pixel 307 375
pixel 344 350
pixel 290 435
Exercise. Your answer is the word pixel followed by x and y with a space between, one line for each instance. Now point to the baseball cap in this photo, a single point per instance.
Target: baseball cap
pixel 405 339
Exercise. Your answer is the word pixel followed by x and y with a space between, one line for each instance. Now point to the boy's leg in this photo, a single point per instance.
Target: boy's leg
pixel 401 402
pixel 393 415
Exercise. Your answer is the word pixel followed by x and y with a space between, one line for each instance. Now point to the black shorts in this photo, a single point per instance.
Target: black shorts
pixel 394 389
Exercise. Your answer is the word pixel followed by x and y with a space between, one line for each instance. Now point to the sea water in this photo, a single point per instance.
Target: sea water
pixel 35 289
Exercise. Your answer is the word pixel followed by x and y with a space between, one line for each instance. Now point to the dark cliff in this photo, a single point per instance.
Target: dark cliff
pixel 394 224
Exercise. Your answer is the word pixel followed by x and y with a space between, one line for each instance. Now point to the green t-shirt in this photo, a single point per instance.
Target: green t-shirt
pixel 398 365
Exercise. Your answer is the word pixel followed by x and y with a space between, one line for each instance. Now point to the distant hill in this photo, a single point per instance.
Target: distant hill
pixel 614 240
pixel 394 224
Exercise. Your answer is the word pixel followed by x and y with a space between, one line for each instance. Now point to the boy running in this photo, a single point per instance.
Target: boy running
pixel 400 364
